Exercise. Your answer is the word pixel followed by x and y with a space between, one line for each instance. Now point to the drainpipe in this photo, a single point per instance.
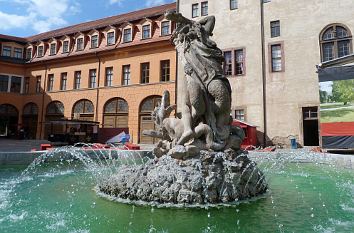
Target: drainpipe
pixel 176 73
pixel 264 80
pixel 43 95
pixel 98 84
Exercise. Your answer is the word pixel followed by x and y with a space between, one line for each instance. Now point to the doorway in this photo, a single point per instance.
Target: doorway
pixel 310 126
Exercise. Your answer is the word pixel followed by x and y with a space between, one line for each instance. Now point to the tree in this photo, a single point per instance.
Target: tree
pixel 343 91
pixel 323 97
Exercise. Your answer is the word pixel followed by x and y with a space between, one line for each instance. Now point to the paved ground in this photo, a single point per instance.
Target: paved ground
pixel 10 145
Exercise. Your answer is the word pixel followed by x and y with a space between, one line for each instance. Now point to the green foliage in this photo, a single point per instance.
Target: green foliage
pixel 323 97
pixel 343 91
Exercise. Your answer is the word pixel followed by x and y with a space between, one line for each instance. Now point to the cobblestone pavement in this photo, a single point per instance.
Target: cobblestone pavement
pixel 10 145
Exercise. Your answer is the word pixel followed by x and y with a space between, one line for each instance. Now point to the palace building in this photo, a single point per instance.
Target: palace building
pixel 271 49
pixel 88 81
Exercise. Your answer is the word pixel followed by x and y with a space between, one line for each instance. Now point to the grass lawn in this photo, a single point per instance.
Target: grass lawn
pixel 340 115
pixel 333 105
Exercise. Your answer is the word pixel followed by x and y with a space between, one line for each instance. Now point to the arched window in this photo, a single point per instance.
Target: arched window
pixel 30 120
pixel 83 110
pixel 55 108
pixel 115 113
pixel 54 113
pixel 8 120
pixel 147 106
pixel 30 109
pixel 336 41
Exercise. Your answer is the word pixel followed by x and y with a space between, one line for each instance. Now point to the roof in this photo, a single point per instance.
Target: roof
pixel 13 38
pixel 338 61
pixel 96 24
pixel 337 69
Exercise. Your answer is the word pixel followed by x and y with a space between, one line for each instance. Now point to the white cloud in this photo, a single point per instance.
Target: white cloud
pixel 150 3
pixel 41 15
pixel 115 1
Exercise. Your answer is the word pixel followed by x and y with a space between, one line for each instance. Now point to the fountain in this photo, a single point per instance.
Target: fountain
pixel 197 170
pixel 198 158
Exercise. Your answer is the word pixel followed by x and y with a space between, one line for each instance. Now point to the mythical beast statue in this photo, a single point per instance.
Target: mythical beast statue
pixel 206 97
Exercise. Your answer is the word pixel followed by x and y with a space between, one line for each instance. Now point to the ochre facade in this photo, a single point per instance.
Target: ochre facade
pixel 155 50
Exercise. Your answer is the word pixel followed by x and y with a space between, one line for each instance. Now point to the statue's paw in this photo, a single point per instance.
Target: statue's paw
pixel 186 136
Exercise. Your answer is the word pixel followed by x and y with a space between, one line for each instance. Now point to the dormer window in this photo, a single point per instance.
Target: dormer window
pixel 18 53
pixel 127 35
pixel 165 28
pixel 110 38
pixel 146 31
pixel 80 44
pixel 29 53
pixel 52 49
pixel 6 51
pixel 94 41
pixel 40 51
pixel 66 46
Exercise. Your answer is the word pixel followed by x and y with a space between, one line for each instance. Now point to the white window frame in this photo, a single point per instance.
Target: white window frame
pixel 83 43
pixel 131 34
pixel 114 37
pixel 97 43
pixel 50 49
pixel 68 41
pixel 169 27
pixel 142 31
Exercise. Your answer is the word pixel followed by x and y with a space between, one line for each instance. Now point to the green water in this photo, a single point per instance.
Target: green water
pixel 302 198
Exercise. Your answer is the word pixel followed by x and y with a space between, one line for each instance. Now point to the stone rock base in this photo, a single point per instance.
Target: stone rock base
pixel 214 177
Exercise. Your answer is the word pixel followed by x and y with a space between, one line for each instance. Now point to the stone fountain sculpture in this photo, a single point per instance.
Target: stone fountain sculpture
pixel 198 158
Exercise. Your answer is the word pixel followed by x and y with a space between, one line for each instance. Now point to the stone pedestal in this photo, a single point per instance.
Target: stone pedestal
pixel 211 177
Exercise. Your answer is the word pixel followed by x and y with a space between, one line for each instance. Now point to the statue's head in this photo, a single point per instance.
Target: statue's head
pixel 172 15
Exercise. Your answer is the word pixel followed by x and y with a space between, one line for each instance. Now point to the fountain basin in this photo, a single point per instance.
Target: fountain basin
pixel 308 192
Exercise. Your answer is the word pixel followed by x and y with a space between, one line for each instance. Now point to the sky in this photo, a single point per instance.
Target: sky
pixel 24 18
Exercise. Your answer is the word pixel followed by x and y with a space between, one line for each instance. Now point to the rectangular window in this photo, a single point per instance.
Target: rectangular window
pixel 165 28
pixel 239 62
pixel 6 51
pixel 63 81
pixel 228 63
pixel 310 113
pixel 110 38
pixel 92 78
pixel 4 83
pixel 50 84
pixel 127 35
pixel 195 10
pixel 66 46
pixel 109 76
pixel 204 6
pixel 145 72
pixel 18 53
pixel 240 114
pixel 80 44
pixel 26 86
pixel 275 28
pixel 29 53
pixel 233 4
pixel 165 70
pixel 16 84
pixel 94 41
pixel 38 84
pixel 77 80
pixel 40 51
pixel 52 49
pixel 276 58
pixel 126 75
pixel 146 31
